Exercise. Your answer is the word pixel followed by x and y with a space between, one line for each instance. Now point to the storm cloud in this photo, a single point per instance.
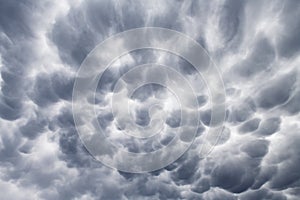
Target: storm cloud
pixel 256 46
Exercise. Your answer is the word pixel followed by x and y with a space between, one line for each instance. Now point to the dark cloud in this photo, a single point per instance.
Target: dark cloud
pixel 186 171
pixel 42 44
pixel 174 119
pixel 219 194
pixel 34 127
pixel 10 102
pixel 205 117
pixel 288 42
pixel 201 185
pixel 11 87
pixel 243 111
pixel 256 148
pixel 235 175
pixel 186 68
pixel 16 18
pixel 73 46
pixel 105 119
pixel 269 126
pixel 259 59
pixel 43 94
pixel 62 86
pixel 202 100
pixel 293 106
pixel 263 194
pixel 92 21
pixel 64 119
pixel 9 149
pixel 288 171
pixel 10 108
pixel 230 19
pixel 224 136
pixel 75 154
pixel 250 126
pixel 277 91
pixel 264 176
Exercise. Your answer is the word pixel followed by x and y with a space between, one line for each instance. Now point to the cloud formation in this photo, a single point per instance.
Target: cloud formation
pixel 256 46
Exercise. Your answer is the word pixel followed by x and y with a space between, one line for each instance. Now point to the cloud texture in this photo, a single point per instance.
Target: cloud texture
pixel 255 44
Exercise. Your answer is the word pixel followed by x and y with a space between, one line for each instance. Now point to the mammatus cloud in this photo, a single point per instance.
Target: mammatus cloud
pixel 256 46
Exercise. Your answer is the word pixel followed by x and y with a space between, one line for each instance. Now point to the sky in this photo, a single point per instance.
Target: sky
pixel 255 46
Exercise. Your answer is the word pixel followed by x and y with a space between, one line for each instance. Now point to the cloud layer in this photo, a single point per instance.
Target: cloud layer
pixel 255 44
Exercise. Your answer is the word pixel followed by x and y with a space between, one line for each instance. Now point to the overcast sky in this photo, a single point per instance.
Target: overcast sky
pixel 256 46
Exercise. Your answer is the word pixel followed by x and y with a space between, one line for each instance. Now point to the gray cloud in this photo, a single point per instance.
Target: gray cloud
pixel 250 125
pixel 255 45
pixel 277 92
pixel 259 59
pixel 256 148
pixel 269 126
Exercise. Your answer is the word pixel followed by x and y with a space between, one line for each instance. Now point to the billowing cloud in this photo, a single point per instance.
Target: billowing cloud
pixel 255 44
